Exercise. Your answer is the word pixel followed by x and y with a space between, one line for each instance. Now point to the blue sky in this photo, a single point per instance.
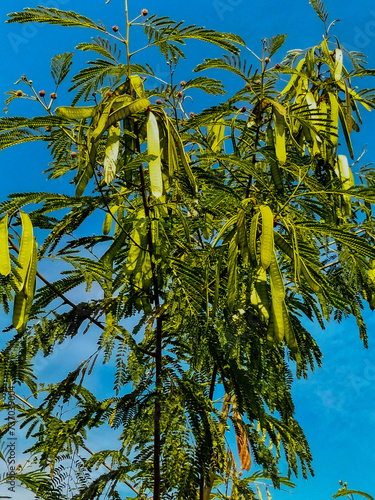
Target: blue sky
pixel 336 405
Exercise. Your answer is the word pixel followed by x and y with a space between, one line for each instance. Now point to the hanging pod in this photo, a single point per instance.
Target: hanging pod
pixel 266 240
pixel 334 116
pixel 280 145
pixel 345 174
pixel 76 112
pixel 5 266
pixel 215 135
pixel 259 293
pixel 24 299
pixel 111 153
pixel 276 173
pixel 294 79
pixel 232 273
pixel 26 248
pixel 153 148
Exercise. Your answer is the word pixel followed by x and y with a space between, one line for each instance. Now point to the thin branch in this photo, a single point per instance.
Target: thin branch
pixel 82 445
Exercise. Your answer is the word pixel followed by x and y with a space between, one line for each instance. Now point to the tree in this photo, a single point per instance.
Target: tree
pixel 220 230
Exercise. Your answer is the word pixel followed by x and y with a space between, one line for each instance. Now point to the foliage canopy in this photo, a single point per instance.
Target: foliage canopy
pixel 218 233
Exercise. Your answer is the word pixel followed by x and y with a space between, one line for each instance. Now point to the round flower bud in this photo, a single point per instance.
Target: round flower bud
pixel 191 114
pixel 267 60
pixel 53 95
pixel 277 65
pixel 258 82
pixel 73 154
pixel 182 83
pixel 19 93
pixel 158 101
pixel 144 12
pixel 42 93
pixel 115 29
pixel 99 173
pixel 48 128
pixel 179 94
pixel 243 109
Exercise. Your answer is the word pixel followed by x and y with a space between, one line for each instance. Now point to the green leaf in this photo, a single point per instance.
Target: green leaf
pixel 60 66
pixel 208 85
pixel 274 43
pixel 101 46
pixel 353 241
pixel 320 9
pixel 52 15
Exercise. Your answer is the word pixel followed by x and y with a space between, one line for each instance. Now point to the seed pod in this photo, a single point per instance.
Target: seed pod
pixel 5 266
pixel 266 241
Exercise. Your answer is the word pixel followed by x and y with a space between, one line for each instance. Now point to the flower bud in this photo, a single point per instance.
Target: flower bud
pixel 267 60
pixel 73 154
pixel 182 83
pixel 277 65
pixel 19 93
pixel 191 114
pixel 144 12
pixel 115 29
pixel 179 94
pixel 42 93
pixel 53 95
pixel 243 109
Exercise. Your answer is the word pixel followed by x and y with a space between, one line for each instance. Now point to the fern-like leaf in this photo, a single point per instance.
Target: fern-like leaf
pixel 320 9
pixel 208 85
pixel 274 43
pixel 60 66
pixel 52 15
